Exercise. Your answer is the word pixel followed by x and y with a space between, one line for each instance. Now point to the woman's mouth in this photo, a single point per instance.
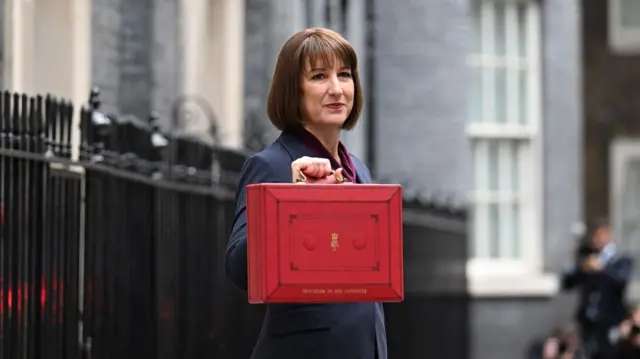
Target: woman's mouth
pixel 335 106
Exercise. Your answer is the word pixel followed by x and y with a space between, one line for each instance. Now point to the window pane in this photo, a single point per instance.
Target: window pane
pixel 481 231
pixel 493 166
pixel 500 29
pixel 508 165
pixel 501 95
pixel 509 234
pixel 522 30
pixel 520 150
pixel 479 154
pixel 497 164
pixel 497 231
pixel 630 13
pixel 500 84
pixel 475 95
pixel 497 220
pixel 487 27
pixel 523 94
pixel 481 165
pixel 476 28
pixel 494 230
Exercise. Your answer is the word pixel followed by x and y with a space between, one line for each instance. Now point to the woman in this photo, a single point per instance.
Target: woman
pixel 315 94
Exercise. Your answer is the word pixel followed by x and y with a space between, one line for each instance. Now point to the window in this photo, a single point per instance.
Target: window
pixel 625 202
pixel 504 131
pixel 624 26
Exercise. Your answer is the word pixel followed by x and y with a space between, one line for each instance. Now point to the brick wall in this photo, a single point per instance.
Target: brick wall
pixel 420 84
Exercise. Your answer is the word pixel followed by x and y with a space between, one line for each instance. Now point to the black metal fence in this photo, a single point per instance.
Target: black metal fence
pixel 39 218
pixel 117 249
pixel 433 320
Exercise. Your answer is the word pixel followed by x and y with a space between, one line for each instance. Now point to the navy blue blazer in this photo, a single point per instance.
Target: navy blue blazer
pixel 602 294
pixel 305 331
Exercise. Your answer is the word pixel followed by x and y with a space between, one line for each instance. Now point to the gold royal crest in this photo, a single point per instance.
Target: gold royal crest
pixel 334 241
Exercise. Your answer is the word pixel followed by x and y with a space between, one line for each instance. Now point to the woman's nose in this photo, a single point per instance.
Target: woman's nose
pixel 335 88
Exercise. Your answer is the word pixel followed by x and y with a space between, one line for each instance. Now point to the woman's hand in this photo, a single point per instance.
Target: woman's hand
pixel 315 170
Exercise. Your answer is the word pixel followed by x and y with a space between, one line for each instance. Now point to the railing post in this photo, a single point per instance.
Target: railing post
pixel 81 264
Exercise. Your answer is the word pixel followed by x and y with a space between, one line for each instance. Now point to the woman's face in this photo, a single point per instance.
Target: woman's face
pixel 327 93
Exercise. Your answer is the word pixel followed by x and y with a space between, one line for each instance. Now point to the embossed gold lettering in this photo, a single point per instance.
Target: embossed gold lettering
pixel 334 291
pixel 355 291
pixel 314 291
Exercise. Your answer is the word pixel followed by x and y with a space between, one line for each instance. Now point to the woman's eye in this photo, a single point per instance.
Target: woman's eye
pixel 317 77
pixel 345 74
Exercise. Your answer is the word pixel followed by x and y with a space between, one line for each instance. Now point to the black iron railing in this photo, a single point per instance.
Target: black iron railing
pixel 113 247
pixel 113 253
pixel 39 229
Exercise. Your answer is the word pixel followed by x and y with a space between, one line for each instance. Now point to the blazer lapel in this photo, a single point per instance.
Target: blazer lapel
pixel 294 146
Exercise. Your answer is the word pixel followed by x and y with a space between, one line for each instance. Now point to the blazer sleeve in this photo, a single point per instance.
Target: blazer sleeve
pixel 619 273
pixel 256 169
pixel 571 278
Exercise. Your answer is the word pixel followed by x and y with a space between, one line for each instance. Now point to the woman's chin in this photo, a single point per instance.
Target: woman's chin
pixel 334 121
pixel 327 123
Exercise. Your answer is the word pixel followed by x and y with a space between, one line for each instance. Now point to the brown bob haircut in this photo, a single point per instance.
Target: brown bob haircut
pixel 308 46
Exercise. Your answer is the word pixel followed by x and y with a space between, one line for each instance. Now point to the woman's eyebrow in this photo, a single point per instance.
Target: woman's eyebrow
pixel 324 69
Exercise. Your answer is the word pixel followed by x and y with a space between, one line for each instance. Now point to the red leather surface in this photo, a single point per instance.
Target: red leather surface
pixel 324 243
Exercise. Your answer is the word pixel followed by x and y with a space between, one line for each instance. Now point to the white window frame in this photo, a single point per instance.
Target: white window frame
pixel 621 40
pixel 622 153
pixel 525 275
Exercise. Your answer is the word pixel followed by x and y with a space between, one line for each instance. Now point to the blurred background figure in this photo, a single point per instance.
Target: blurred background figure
pixel 562 343
pixel 600 275
pixel 626 336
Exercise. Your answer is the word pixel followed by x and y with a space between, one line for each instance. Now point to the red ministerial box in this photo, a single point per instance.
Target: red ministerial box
pixel 324 243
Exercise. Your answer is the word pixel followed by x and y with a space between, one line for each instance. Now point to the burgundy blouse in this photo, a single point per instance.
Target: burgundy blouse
pixel 313 144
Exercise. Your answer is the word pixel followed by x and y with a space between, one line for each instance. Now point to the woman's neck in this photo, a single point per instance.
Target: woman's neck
pixel 329 137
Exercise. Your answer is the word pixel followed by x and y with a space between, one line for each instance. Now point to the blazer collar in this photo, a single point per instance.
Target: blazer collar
pixel 362 174
pixel 293 145
pixel 296 149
